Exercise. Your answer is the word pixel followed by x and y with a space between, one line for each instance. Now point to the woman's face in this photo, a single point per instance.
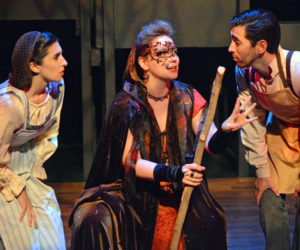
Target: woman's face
pixel 53 65
pixel 162 60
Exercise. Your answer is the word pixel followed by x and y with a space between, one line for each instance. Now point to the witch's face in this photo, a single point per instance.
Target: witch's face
pixel 162 60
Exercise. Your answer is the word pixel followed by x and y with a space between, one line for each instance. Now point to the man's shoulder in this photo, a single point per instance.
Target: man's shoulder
pixel 295 64
pixel 295 56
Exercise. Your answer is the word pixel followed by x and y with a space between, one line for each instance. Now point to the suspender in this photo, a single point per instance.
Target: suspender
pixel 288 71
pixel 288 68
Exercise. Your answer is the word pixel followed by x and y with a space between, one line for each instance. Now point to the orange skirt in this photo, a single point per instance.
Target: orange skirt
pixel 165 222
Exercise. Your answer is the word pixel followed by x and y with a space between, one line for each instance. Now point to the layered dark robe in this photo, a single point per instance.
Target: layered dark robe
pixel 116 210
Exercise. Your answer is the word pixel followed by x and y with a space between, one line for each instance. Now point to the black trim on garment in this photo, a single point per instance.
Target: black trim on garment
pixel 167 173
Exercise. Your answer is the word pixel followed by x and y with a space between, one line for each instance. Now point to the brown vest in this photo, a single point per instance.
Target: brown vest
pixel 283 130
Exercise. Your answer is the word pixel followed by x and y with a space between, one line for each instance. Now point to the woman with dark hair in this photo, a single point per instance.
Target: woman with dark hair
pixel 30 106
pixel 133 191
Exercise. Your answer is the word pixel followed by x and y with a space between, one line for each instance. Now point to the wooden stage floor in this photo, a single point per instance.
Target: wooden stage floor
pixel 236 195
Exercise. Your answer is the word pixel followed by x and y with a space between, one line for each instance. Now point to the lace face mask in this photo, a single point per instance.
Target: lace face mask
pixel 162 52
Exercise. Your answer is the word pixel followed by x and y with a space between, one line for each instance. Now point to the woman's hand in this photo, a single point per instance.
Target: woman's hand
pixel 238 117
pixel 26 207
pixel 192 174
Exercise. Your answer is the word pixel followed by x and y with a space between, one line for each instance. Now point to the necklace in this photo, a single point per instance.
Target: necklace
pixel 157 99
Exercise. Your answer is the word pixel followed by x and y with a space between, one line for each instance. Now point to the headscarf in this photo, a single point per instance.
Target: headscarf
pixel 21 75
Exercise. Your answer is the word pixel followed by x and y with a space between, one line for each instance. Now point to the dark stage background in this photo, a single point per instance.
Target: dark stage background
pixel 198 67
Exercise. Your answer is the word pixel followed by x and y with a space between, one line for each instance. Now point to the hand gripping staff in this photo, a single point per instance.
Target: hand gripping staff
pixel 187 192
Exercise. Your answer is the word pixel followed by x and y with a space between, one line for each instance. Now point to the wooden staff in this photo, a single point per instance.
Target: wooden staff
pixel 187 192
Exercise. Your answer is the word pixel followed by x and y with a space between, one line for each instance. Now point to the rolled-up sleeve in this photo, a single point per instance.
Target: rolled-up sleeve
pixel 253 135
